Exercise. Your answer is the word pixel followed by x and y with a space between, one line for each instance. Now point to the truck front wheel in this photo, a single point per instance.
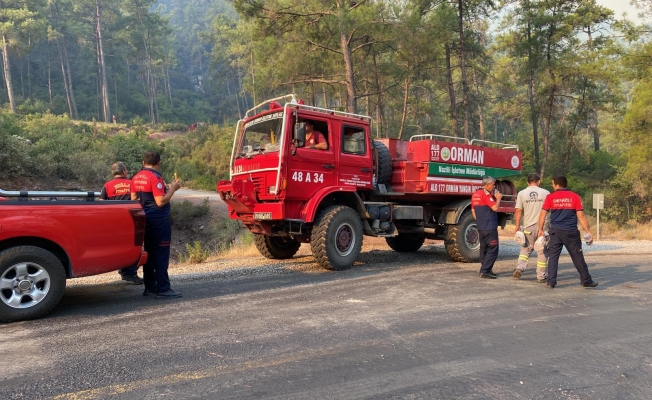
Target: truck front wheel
pixel 462 240
pixel 336 238
pixel 32 281
pixel 276 247
pixel 406 242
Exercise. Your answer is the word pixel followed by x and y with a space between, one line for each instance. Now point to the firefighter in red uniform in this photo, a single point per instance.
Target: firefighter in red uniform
pixel 565 210
pixel 119 188
pixel 314 139
pixel 484 204
pixel 150 189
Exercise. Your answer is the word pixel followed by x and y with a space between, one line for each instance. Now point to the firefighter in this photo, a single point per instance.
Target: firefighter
pixel 565 209
pixel 119 188
pixel 484 204
pixel 528 208
pixel 314 139
pixel 150 189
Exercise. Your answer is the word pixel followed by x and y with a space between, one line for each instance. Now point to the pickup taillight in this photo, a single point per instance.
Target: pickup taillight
pixel 138 216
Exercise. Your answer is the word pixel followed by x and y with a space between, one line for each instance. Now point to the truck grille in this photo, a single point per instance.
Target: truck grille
pixel 259 182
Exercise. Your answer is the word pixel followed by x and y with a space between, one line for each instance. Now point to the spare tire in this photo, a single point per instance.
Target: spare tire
pixel 384 163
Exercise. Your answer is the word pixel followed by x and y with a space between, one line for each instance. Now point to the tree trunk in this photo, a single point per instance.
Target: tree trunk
pixel 406 90
pixel 533 111
pixel 596 136
pixel 253 78
pixel 22 84
pixel 104 85
pixel 7 73
pixel 380 117
pixel 49 75
pixel 75 113
pixel 155 104
pixel 548 122
pixel 480 113
pixel 351 100
pixel 29 77
pixel 149 83
pixel 167 74
pixel 465 86
pixel 69 100
pixel 451 89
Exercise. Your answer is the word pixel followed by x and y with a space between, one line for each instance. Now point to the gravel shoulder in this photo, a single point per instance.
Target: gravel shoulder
pixel 374 250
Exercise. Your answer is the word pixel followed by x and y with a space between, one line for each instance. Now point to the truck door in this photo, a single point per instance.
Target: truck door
pixel 309 170
pixel 356 165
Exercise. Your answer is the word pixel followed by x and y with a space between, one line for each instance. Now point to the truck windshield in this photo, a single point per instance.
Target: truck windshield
pixel 261 135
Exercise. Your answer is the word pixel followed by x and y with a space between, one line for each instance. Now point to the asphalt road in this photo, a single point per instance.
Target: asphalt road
pixel 393 327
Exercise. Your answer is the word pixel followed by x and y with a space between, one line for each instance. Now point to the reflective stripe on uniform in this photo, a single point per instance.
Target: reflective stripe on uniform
pixel 541 264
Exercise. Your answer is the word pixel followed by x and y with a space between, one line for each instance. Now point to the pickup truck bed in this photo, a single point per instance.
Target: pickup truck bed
pixel 45 242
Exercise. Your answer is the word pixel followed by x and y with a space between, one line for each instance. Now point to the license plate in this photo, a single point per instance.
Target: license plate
pixel 262 215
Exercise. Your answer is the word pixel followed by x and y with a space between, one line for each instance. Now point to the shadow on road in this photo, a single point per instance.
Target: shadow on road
pixel 118 297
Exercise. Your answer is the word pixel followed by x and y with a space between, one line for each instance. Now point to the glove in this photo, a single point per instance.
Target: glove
pixel 519 238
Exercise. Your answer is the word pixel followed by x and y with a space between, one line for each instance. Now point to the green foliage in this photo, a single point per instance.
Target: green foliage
pixel 225 231
pixel 196 253
pixel 183 214
pixel 14 157
pixel 130 149
pixel 201 157
pixel 171 126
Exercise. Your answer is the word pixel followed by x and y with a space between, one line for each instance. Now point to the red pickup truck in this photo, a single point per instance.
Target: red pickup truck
pixel 48 237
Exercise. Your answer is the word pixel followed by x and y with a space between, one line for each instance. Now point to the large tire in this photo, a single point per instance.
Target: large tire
pixel 462 240
pixel 384 163
pixel 32 281
pixel 336 238
pixel 276 247
pixel 406 242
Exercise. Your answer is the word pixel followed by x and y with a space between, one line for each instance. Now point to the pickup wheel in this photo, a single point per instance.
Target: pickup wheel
pixel 336 238
pixel 32 281
pixel 384 163
pixel 462 240
pixel 406 242
pixel 276 247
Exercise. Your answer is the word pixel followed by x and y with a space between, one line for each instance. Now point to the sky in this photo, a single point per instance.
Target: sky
pixel 620 6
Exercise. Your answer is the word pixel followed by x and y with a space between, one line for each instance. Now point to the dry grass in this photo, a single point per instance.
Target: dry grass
pixel 608 230
pixel 238 250
pixel 627 231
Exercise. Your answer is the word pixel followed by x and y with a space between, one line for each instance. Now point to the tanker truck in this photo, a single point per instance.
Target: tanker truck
pixel 287 192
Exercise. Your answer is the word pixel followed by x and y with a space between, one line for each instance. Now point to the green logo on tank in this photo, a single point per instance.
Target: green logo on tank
pixel 445 154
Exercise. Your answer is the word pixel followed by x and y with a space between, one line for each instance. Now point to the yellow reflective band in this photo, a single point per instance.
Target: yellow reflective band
pixel 522 257
pixel 527 233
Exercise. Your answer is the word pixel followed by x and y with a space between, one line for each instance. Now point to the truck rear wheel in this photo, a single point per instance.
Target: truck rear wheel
pixel 276 247
pixel 384 163
pixel 336 238
pixel 406 242
pixel 32 281
pixel 462 240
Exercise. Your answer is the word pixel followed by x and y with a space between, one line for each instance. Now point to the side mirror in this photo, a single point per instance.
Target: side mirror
pixel 299 139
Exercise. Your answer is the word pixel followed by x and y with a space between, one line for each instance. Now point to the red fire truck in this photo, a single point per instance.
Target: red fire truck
pixel 287 193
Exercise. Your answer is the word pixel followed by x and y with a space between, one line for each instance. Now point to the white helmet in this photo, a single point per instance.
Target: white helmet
pixel 519 238
pixel 540 244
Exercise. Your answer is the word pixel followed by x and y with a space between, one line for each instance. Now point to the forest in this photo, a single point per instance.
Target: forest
pixel 568 81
